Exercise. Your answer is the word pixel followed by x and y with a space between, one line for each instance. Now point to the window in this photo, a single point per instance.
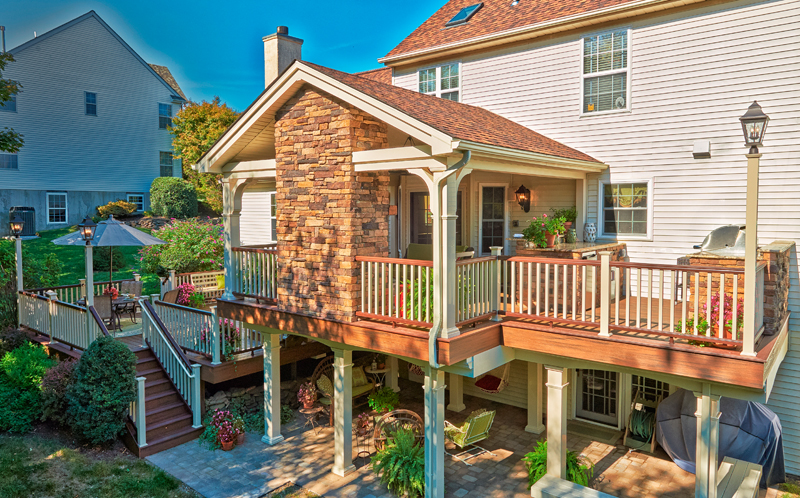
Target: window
pixel 464 15
pixel 273 214
pixel 56 207
pixel 165 160
pixel 9 105
pixel 422 218
pixel 493 218
pixel 606 72
pixel 90 103
pixel 8 161
pixel 164 116
pixel 649 389
pixel 625 208
pixel 137 199
pixel 443 81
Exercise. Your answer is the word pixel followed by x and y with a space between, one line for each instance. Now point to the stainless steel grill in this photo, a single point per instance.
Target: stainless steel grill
pixel 724 241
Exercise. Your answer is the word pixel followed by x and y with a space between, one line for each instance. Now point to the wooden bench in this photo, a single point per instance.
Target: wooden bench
pixel 738 479
pixel 553 487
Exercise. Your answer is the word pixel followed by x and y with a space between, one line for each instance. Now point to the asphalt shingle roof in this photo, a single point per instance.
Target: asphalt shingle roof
pixel 163 71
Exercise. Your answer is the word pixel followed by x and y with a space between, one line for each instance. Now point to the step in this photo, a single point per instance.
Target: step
pixel 158 385
pixel 146 361
pixel 177 438
pixel 144 353
pixel 169 426
pixel 160 398
pixel 166 411
pixel 150 370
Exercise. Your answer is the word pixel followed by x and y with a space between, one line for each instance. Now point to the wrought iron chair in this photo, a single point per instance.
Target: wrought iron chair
pixel 322 379
pixel 130 287
pixel 390 423
pixel 473 430
pixel 105 310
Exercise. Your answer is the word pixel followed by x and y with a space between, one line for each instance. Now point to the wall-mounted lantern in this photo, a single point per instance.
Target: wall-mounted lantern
pixel 523 196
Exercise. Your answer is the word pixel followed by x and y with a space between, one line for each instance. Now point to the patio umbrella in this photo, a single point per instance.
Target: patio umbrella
pixel 111 233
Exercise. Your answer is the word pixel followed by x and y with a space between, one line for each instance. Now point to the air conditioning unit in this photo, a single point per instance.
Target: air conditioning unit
pixel 28 215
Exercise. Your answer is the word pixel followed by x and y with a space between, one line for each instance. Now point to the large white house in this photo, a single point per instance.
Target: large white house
pixel 94 118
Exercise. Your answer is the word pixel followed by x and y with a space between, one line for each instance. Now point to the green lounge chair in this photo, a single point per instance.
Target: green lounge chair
pixel 424 252
pixel 474 429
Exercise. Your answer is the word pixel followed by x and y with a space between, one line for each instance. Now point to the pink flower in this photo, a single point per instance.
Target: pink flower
pixel 544 216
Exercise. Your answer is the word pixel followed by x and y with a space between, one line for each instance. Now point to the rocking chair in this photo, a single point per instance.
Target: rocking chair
pixel 474 429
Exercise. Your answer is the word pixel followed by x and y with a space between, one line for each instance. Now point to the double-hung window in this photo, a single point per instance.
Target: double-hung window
pixel 164 116
pixel 606 72
pixel 442 81
pixel 9 105
pixel 165 161
pixel 137 199
pixel 90 103
pixel 273 216
pixel 626 208
pixel 56 207
pixel 8 161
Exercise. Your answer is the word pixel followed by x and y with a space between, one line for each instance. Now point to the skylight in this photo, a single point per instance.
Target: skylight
pixel 464 15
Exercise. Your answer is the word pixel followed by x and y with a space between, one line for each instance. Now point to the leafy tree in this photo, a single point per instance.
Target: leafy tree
pixel 191 245
pixel 10 140
pixel 38 270
pixel 195 128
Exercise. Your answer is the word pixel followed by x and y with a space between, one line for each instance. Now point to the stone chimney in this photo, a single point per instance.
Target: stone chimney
pixel 280 50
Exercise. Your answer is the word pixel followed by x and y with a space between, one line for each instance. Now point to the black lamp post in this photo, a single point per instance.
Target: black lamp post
pixel 754 125
pixel 15 225
pixel 523 196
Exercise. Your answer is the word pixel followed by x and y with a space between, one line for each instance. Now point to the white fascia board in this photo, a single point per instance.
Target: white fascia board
pixel 430 163
pixel 242 166
pixel 493 152
pixel 481 363
pixel 393 154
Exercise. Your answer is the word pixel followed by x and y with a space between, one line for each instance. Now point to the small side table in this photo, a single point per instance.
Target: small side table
pixel 363 441
pixel 311 415
pixel 379 374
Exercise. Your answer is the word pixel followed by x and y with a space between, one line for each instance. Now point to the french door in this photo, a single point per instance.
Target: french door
pixel 596 397
pixel 422 219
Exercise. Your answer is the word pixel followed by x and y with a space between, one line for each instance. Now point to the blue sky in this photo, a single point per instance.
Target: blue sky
pixel 215 48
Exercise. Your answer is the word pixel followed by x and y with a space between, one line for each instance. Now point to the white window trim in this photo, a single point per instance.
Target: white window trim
pixel 506 221
pixel 273 215
pixel 172 115
pixel 164 165
pixel 438 92
pixel 66 208
pixel 96 107
pixel 627 70
pixel 600 210
pixel 128 199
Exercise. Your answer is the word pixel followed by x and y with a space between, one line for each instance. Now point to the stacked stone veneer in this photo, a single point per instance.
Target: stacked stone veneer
pixel 777 257
pixel 327 213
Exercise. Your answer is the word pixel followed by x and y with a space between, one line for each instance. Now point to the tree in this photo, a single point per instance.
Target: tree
pixel 10 140
pixel 195 128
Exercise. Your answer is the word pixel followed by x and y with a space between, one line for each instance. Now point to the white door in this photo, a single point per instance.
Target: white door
pixel 596 396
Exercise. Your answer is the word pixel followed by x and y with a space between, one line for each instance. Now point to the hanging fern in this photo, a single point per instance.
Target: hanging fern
pixel 579 470
pixel 401 465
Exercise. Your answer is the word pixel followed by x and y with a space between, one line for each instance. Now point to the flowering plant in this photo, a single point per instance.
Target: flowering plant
pixel 538 228
pixel 185 291
pixel 191 245
pixel 226 433
pixel 231 336
pixel 727 320
pixel 238 424
pixel 307 393
pixel 111 291
pixel 363 420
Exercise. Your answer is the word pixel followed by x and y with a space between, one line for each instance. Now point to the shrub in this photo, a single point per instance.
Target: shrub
pixel 12 338
pixel 55 385
pixel 401 465
pixel 26 365
pixel 173 197
pixel 39 270
pixel 579 470
pixel 185 291
pixel 21 372
pixel 191 246
pixel 384 400
pixel 104 386
pixel 287 414
pixel 102 259
pixel 117 208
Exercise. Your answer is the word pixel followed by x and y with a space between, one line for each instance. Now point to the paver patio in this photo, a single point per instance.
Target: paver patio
pixel 306 458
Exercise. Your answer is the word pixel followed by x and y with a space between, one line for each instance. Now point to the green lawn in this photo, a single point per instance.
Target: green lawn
pixel 33 465
pixel 73 259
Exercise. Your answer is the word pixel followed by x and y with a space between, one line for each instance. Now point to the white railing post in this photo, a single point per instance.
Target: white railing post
pixel 172 283
pixel 197 405
pixel 52 297
pixel 496 250
pixel 137 277
pixel 83 287
pixel 141 419
pixel 605 293
pixel 215 338
pixel 751 256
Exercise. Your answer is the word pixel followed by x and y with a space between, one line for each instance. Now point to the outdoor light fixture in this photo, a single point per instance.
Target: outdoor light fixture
pixel 754 124
pixel 87 228
pixel 523 196
pixel 15 225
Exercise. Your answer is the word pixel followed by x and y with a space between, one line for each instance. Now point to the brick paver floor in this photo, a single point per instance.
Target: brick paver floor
pixel 306 458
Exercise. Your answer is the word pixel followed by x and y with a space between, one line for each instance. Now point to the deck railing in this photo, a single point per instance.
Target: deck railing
pixel 397 290
pixel 65 293
pixel 255 272
pixel 475 280
pixel 62 322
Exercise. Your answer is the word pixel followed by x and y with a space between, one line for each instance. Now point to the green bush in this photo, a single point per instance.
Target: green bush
pixel 401 465
pixel 12 338
pixel 579 470
pixel 173 197
pixel 104 386
pixel 40 270
pixel 384 400
pixel 191 245
pixel 21 372
pixel 102 259
pixel 55 385
pixel 118 208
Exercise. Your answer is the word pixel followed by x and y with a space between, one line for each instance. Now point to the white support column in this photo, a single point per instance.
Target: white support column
pixel 89 292
pixel 713 454
pixel 581 205
pixel 535 388
pixel 707 449
pixel 343 412
pixel 230 216
pixel 750 256
pixel 393 375
pixel 216 338
pixel 20 285
pixel 557 421
pixel 197 397
pixel 448 248
pixel 605 293
pixel 456 393
pixel 272 389
pixel 494 286
pixel 434 433
pixel 393 227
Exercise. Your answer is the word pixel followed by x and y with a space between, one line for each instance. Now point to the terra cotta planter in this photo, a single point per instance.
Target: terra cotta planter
pixel 227 445
pixel 240 439
pixel 308 405
pixel 550 238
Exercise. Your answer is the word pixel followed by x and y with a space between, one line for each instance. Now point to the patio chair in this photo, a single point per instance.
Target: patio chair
pixel 474 429
pixel 322 378
pixel 388 425
pixel 104 307
pixel 424 252
pixel 130 287
pixel 171 296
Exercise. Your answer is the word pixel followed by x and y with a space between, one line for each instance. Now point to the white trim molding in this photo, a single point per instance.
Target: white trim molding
pixel 601 210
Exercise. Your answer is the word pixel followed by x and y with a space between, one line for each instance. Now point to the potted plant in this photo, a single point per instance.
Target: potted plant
pixel 384 400
pixel 704 328
pixel 227 435
pixel 238 426
pixel 542 231
pixel 307 395
pixel 569 215
pixel 111 291
pixel 362 423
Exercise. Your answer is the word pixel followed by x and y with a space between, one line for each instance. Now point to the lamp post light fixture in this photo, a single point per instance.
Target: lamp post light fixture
pixel 754 126
pixel 87 228
pixel 523 197
pixel 16 224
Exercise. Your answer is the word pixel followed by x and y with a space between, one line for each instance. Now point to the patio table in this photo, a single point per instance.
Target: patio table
pixel 378 374
pixel 116 305
pixel 311 415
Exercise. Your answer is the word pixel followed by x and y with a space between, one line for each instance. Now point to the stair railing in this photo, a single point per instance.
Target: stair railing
pixel 184 376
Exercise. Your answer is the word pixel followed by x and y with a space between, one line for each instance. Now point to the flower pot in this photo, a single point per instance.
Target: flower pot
pixel 550 238
pixel 240 439
pixel 567 225
pixel 308 404
pixel 227 445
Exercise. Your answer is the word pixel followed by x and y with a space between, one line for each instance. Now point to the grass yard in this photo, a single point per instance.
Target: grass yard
pixel 789 489
pixel 35 465
pixel 73 259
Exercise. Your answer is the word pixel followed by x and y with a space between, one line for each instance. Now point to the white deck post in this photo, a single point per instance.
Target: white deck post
pixel 496 280
pixel 581 205
pixel 82 281
pixel 605 293
pixel 456 393
pixel 707 449
pixel 52 297
pixel 434 433
pixel 535 388
pixel 750 256
pixel 197 397
pixel 140 415
pixel 557 421
pixel 272 389
pixel 448 266
pixel 392 377
pixel 343 412
pixel 172 280
pixel 216 342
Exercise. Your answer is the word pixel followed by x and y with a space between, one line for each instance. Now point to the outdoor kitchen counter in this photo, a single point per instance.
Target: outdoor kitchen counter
pixel 577 250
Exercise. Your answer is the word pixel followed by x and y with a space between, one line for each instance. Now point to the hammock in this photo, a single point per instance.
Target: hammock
pixel 416 369
pixel 490 384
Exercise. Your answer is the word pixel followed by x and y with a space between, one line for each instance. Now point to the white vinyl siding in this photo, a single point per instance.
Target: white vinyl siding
pixel 257 219
pixel 137 199
pixel 56 208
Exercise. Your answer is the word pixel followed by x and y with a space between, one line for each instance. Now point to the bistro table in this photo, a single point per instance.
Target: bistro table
pixel 379 374
pixel 116 305
pixel 311 415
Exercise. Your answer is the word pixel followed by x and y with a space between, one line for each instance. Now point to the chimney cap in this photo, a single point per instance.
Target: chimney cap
pixel 283 30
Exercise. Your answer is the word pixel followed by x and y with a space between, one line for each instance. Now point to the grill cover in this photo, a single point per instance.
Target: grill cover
pixel 747 431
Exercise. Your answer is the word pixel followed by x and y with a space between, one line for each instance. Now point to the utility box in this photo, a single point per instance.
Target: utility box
pixel 28 215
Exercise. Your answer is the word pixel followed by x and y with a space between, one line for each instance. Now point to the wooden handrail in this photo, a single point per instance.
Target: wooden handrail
pixel 32 294
pixel 69 305
pixel 218 272
pixel 170 339
pixel 254 250
pixel 397 261
pixel 99 321
pixel 557 261
pixel 183 308
pixel 58 287
pixel 686 268
pixel 475 260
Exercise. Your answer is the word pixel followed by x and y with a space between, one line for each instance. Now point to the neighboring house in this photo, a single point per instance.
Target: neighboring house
pixel 94 116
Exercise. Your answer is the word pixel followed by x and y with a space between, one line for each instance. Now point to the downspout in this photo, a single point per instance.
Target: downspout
pixel 437 255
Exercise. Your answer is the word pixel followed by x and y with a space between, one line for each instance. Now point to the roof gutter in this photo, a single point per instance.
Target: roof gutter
pixel 534 30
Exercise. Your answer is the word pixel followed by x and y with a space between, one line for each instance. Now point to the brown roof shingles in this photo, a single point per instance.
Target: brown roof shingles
pixel 381 74
pixel 166 75
pixel 494 17
pixel 457 120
